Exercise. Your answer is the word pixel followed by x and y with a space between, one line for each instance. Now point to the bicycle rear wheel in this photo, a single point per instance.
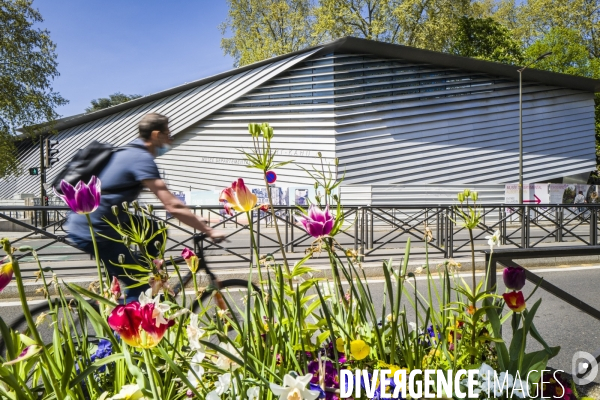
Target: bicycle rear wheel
pixel 41 315
pixel 234 293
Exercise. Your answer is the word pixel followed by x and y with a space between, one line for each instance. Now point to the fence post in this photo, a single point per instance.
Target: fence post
pixel 502 222
pixel 362 229
pixel 526 231
pixel 251 217
pixel 287 226
pixel 437 226
pixel 292 232
pixel 450 236
pixel 593 230
pixel 559 222
pixel 372 225
pixel 257 233
pixel 356 230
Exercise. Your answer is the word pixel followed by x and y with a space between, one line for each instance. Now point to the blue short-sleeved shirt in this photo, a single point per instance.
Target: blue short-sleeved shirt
pixel 124 173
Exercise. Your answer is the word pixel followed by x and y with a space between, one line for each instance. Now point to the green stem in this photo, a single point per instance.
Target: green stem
pixel 474 329
pixel 97 256
pixel 30 323
pixel 149 367
pixel 285 261
pixel 335 271
pixel 254 246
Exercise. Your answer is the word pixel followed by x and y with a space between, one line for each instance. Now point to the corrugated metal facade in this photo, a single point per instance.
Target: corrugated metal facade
pixel 405 128
pixel 184 109
pixel 400 123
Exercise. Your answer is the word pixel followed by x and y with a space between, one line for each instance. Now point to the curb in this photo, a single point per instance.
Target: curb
pixel 370 270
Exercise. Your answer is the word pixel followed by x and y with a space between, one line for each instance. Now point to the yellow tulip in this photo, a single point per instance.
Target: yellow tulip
pixel 239 197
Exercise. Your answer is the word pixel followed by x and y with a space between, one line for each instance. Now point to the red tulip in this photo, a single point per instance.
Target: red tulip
pixel 139 326
pixel 515 301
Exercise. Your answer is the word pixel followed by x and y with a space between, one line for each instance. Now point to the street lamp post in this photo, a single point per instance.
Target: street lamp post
pixel 521 122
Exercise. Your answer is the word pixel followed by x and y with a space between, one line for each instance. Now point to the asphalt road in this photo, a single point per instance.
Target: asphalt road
pixel 559 323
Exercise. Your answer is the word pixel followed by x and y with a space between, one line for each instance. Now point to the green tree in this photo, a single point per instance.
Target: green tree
pixel 486 39
pixel 570 55
pixel 428 24
pixel 111 100
pixel 27 67
pixel 261 29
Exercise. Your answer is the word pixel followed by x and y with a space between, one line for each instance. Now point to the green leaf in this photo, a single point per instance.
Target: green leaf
pixel 87 293
pixel 177 370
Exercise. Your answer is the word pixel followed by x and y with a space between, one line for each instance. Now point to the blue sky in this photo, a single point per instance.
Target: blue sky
pixel 131 46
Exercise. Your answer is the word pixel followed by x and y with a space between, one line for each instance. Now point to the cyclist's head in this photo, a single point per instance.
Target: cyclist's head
pixel 152 122
pixel 154 130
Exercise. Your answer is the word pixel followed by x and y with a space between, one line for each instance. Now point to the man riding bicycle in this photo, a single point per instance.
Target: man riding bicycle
pixel 127 172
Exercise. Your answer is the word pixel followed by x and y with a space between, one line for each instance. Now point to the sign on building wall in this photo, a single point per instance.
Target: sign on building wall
pixel 534 193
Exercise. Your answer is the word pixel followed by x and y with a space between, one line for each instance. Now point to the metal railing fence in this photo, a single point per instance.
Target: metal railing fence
pixel 376 232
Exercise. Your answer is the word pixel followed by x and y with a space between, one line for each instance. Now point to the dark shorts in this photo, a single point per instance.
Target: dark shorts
pixel 110 251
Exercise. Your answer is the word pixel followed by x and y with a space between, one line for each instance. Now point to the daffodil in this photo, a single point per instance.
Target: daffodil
pixel 294 388
pixel 129 392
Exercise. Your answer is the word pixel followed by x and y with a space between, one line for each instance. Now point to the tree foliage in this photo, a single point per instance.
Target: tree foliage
pixel 266 28
pixel 27 67
pixel 428 24
pixel 112 100
pixel 486 39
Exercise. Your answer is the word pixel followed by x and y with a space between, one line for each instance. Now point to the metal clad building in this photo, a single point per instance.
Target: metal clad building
pixel 400 120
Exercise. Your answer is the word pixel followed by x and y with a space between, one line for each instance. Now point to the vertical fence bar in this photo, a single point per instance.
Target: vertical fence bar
pixel 362 229
pixel 450 236
pixel 288 220
pixel 372 225
pixel 258 233
pixel 251 221
pixel 356 229
pixel 292 232
pixel 523 223
pixel 559 223
pixel 593 230
pixel 527 225
pixel 437 226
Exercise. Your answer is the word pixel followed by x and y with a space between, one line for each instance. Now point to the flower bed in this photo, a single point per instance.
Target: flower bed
pixel 299 337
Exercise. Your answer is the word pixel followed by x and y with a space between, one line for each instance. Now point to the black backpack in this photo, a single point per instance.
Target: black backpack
pixel 87 162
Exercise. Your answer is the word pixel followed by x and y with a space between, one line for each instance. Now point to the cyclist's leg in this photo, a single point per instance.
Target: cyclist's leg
pixel 110 251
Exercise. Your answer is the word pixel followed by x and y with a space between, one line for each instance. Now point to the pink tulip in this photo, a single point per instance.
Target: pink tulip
pixel 318 223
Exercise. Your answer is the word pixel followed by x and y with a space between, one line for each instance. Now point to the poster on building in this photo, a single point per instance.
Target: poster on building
pixel 533 193
pixel 301 195
pixel 570 193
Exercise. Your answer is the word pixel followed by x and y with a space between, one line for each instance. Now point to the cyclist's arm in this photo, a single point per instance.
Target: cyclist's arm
pixel 176 206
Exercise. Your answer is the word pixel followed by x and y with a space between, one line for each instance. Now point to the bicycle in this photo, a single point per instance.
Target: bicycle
pixel 214 291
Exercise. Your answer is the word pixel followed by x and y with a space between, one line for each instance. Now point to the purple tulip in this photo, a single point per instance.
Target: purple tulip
pixel 83 199
pixel 318 223
pixel 514 278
